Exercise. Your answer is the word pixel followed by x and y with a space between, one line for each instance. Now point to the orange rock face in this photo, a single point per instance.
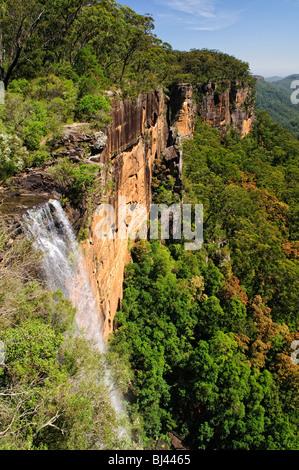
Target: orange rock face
pixel 184 119
pixel 232 107
pixel 137 136
pixel 140 131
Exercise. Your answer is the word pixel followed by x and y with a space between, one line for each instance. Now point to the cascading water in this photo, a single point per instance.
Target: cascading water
pixel 64 270
pixel 63 266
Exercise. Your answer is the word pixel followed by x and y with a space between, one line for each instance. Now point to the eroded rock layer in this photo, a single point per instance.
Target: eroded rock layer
pixel 141 131
pixel 137 136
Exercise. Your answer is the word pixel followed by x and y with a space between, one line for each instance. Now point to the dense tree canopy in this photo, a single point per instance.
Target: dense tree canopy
pixel 203 339
pixel 59 58
pixel 275 98
pixel 99 37
pixel 208 334
pixel 204 66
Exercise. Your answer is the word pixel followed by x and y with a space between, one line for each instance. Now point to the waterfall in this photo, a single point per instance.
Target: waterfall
pixel 63 266
pixel 63 269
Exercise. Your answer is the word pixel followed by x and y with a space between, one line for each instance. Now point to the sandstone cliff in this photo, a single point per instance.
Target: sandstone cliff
pixel 223 106
pixel 141 131
pixel 137 136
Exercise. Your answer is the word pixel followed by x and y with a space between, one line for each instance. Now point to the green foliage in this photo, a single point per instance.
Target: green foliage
pixel 204 346
pixel 53 394
pixel 102 39
pixel 31 350
pixel 33 134
pixel 90 105
pixel 36 109
pixel 248 201
pixel 60 57
pixel 105 41
pixel 192 371
pixel 77 179
pixel 12 155
pixel 204 66
pixel 275 98
pixel 203 338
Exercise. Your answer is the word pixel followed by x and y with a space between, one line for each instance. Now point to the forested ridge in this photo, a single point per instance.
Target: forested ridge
pixel 59 58
pixel 275 98
pixel 202 342
pixel 208 334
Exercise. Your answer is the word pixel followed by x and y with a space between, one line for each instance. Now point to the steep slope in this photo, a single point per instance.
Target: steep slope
pixel 275 98
pixel 141 132
pixel 208 333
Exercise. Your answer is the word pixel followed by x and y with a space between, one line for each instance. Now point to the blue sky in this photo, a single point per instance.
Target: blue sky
pixel 264 33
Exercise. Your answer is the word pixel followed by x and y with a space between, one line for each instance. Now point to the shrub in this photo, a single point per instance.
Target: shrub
pixel 87 63
pixel 19 86
pixel 12 155
pixel 37 158
pixel 58 110
pixel 88 86
pixel 50 87
pixel 33 134
pixel 90 105
pixel 78 179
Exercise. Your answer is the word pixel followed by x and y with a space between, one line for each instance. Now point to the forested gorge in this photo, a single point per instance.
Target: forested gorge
pixel 202 341
pixel 209 332
pixel 275 99
pixel 60 57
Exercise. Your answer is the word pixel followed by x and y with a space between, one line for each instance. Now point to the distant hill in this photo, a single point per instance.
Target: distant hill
pixel 273 79
pixel 275 97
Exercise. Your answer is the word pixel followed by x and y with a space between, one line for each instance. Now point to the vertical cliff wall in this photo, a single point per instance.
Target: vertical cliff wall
pixel 222 105
pixel 182 111
pixel 141 131
pixel 137 136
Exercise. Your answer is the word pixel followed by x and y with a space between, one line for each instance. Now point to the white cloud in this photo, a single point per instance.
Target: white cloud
pixel 203 8
pixel 200 15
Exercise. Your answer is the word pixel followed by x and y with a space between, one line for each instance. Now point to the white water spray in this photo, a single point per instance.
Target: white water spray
pixel 63 266
pixel 64 270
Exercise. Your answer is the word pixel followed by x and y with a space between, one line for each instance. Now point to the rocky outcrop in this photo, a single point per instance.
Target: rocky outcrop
pixel 232 107
pixel 182 110
pixel 30 188
pixel 222 105
pixel 141 131
pixel 137 136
